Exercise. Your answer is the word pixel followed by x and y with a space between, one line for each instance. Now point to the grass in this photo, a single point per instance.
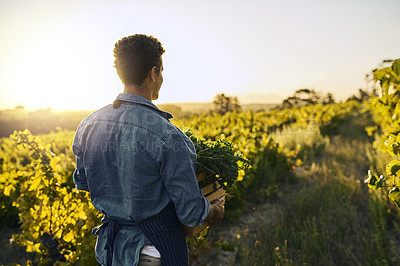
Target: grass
pixel 329 217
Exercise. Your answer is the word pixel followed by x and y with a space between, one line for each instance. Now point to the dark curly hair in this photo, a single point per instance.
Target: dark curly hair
pixel 135 56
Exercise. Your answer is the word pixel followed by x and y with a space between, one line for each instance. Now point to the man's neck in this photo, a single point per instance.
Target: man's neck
pixel 139 90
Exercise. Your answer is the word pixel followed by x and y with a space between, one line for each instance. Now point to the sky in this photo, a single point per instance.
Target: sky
pixel 58 54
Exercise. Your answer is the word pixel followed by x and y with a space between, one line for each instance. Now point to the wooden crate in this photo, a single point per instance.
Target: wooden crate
pixel 212 192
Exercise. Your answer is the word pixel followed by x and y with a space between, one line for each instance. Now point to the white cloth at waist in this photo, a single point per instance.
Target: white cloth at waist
pixel 151 251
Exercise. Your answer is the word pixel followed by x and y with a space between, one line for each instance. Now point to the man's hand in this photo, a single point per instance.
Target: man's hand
pixel 217 211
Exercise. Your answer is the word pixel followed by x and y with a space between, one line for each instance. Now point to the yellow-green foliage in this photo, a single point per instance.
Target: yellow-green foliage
pixel 39 188
pixel 386 113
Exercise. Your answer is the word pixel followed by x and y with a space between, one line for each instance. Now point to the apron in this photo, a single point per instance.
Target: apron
pixel 162 230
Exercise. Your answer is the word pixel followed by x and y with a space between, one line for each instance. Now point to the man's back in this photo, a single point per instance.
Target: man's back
pixel 133 161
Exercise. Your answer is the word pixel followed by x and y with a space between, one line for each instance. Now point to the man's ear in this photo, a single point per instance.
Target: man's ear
pixel 152 73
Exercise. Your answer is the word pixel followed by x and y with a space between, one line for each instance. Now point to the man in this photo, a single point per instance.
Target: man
pixel 139 168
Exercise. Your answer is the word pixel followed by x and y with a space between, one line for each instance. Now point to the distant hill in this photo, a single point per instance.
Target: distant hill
pixel 39 121
pixel 259 106
pixel 188 107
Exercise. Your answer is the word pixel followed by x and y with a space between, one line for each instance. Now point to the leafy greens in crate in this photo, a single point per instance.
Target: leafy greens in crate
pixel 217 160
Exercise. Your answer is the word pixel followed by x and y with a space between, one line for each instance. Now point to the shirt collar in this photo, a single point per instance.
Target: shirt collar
pixel 128 97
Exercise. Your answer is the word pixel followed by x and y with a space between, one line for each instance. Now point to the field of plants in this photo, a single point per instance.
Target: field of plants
pixel 303 201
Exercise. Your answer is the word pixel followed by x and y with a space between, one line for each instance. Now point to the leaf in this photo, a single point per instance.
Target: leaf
pixel 82 215
pixel 371 129
pixel 374 182
pixel 69 236
pixel 394 195
pixel 396 67
pixel 8 189
pixel 392 168
pixel 380 73
pixel 35 183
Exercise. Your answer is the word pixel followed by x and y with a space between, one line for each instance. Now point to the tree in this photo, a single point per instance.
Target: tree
pixel 363 95
pixel 328 99
pixel 301 97
pixel 224 104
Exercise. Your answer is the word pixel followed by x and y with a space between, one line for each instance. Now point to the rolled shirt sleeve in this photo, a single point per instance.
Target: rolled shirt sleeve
pixel 178 171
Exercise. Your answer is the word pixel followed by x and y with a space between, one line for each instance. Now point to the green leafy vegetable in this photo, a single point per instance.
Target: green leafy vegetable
pixel 218 160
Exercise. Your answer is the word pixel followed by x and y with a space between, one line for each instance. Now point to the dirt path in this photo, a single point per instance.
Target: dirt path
pixel 247 224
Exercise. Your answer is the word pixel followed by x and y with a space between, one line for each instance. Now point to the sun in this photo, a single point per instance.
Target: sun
pixel 62 74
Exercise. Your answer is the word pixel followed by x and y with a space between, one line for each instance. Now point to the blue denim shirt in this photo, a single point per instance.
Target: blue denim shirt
pixel 134 162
